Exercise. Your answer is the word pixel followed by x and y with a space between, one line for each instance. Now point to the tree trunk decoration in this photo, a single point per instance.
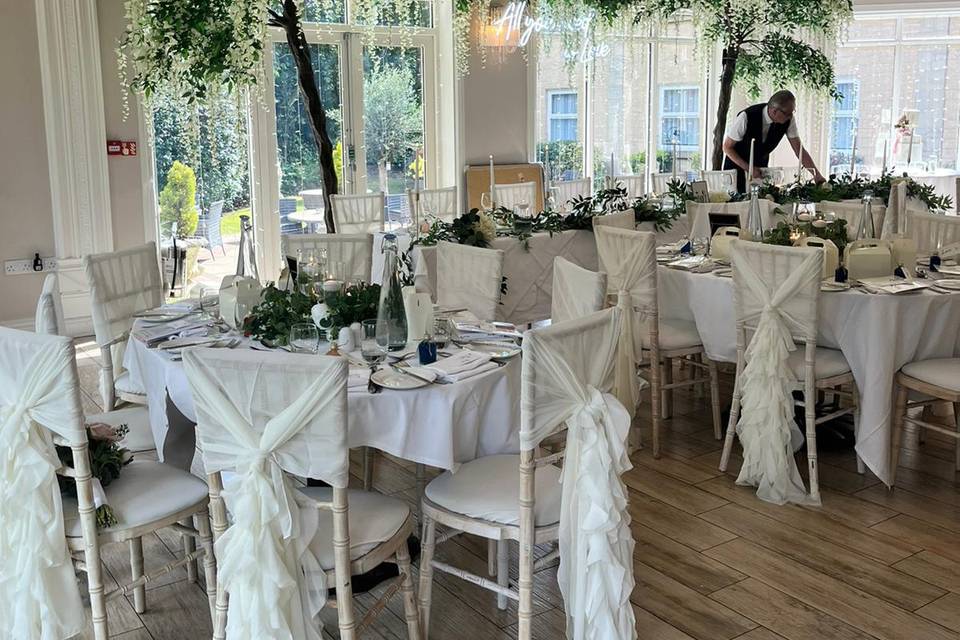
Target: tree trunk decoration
pixel 727 74
pixel 289 21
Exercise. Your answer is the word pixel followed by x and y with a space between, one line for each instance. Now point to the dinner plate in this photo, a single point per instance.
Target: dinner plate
pixel 390 379
pixel 496 351
pixel 830 285
pixel 723 272
pixel 947 284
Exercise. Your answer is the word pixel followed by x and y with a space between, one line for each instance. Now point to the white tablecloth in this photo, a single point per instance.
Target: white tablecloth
pixel 945 184
pixel 528 269
pixel 877 334
pixel 437 425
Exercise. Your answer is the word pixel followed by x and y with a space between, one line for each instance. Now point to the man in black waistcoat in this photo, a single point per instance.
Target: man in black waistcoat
pixel 765 124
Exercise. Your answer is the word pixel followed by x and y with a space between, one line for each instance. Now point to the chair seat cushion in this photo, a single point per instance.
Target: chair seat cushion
pixel 829 363
pixel 489 489
pixel 373 519
pixel 137 419
pixel 145 492
pixel 124 384
pixel 940 372
pixel 674 334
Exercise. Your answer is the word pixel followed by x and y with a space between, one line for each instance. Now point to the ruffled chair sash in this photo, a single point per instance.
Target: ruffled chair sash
pixel 766 427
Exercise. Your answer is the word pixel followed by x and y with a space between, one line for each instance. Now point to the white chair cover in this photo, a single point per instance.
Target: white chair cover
pixel 851 210
pixel 630 262
pixel 636 186
pixel 661 181
pixel 49 316
pixel 510 195
pixel 354 250
pixel 932 231
pixel 698 215
pixel 122 284
pixel 565 377
pixel 776 291
pixel 260 415
pixel 358 214
pixel 895 217
pixel 564 191
pixel 577 292
pixel 439 203
pixel 720 181
pixel 39 397
pixel 621 220
pixel 469 277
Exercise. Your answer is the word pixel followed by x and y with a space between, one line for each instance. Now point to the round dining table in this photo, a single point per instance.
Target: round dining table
pixel 877 333
pixel 439 425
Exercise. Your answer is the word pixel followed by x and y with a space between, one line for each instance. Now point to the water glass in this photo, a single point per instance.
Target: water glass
pixel 441 332
pixel 240 313
pixel 373 343
pixel 700 245
pixel 208 302
pixel 304 338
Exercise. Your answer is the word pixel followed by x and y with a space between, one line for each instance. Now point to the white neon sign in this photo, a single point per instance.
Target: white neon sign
pixel 516 18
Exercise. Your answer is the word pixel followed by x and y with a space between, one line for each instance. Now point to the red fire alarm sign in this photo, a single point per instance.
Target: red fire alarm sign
pixel 121 148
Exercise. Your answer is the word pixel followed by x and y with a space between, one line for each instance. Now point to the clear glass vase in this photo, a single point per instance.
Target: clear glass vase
pixel 391 316
pixel 755 218
pixel 866 228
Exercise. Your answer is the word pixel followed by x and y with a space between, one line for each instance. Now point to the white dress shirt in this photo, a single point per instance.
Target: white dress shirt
pixel 737 129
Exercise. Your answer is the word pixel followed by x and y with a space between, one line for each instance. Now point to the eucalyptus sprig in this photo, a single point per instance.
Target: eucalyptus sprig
pixel 277 312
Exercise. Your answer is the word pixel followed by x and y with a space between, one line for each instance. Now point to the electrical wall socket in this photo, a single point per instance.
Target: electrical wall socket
pixel 20 267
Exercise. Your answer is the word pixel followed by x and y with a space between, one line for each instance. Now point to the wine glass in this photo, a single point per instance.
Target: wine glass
pixel 486 201
pixel 240 312
pixel 304 338
pixel 373 346
pixel 441 332
pixel 700 245
pixel 208 303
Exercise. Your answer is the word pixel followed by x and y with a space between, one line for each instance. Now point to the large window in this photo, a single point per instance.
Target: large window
pixel 562 115
pixel 890 67
pixel 620 110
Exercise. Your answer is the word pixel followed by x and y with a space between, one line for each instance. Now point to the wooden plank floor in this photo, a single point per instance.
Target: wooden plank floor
pixel 712 562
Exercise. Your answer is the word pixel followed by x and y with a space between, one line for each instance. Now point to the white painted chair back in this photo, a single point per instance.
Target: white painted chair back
pixel 122 284
pixel 469 277
pixel 577 292
pixel 312 199
pixel 264 416
pixel 565 191
pixel 895 219
pixel 358 214
pixel 354 250
pixel 851 211
pixel 565 379
pixel 511 195
pixel 49 316
pixel 721 181
pixel 932 231
pixel 629 259
pixel 435 203
pixel 661 181
pixel 40 404
pixel 636 186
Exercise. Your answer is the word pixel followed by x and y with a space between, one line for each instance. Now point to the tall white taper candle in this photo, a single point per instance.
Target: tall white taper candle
pixel 750 169
pixel 884 169
pixel 910 148
pixel 853 155
pixel 799 164
pixel 493 194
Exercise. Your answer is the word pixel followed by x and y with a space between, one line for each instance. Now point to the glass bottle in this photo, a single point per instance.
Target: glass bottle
pixel 391 316
pixel 755 219
pixel 866 229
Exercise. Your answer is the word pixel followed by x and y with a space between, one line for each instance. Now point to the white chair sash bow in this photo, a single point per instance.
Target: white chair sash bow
pixel 276 585
pixel 596 545
pixel 766 427
pixel 39 596
pixel 629 259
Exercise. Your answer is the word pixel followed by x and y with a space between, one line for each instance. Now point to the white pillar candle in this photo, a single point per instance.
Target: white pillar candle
pixel 750 169
pixel 493 195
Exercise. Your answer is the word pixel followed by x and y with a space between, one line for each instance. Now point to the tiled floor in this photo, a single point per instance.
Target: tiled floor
pixel 712 562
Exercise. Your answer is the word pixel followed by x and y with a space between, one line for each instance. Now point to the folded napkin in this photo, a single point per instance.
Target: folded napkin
pixel 461 365
pixel 358 378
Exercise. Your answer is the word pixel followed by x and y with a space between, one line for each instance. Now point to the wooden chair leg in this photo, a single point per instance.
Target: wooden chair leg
pixel 810 415
pixel 656 404
pixel 410 611
pixel 421 475
pixel 855 399
pixel 666 408
pixel 426 573
pixel 491 557
pixel 136 572
pixel 715 398
pixel 503 571
pixel 369 460
pixel 209 561
pixel 189 546
pixel 956 419
pixel 896 433
pixel 95 590
pixel 732 422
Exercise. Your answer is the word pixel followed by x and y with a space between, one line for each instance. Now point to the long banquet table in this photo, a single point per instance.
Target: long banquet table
pixel 877 334
pixel 437 425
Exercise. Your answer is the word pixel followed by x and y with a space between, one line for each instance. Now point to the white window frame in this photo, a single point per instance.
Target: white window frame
pixel 551 116
pixel 663 114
